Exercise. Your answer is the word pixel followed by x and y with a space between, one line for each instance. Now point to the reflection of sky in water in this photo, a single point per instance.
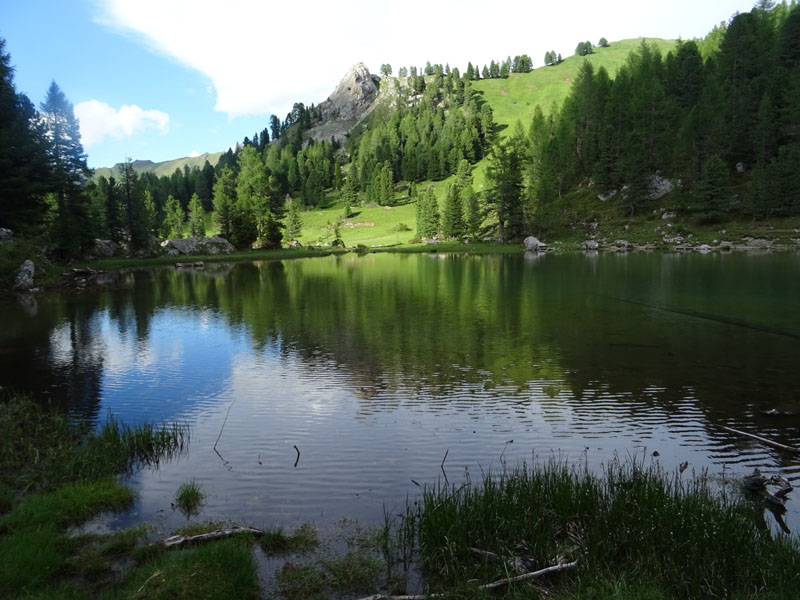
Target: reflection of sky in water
pixel 185 358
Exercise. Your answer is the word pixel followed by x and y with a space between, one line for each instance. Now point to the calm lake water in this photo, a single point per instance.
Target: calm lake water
pixel 378 367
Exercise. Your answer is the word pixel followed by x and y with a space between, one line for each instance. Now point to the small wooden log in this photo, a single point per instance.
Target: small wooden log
pixel 178 540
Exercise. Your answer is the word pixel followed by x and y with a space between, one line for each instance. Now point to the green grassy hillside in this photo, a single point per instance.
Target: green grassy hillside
pixel 163 168
pixel 516 98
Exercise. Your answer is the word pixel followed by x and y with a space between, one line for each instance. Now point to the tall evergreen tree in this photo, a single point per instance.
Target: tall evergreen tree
pixel 173 221
pixel 224 200
pixel 69 170
pixel 23 162
pixel 294 223
pixel 197 217
pixel 453 214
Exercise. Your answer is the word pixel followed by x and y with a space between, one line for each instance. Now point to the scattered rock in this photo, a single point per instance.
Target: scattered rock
pixel 5 234
pixel 741 167
pixel 24 280
pixel 590 246
pixel 704 248
pixel 668 215
pixel 191 245
pixel 106 248
pixel 608 196
pixel 295 244
pixel 532 244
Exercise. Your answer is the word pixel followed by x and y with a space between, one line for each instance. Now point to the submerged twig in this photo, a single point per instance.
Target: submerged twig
pixel 223 423
pixel 442 465
pixel 761 439
pixel 297 460
pixel 177 540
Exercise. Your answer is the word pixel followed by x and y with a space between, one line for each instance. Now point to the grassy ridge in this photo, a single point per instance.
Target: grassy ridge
pixel 162 168
pixel 515 99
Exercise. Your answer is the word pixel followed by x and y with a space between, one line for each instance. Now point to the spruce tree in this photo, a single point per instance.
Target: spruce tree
pixel 173 221
pixel 453 214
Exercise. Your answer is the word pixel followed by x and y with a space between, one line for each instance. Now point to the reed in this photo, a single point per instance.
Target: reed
pixel 652 530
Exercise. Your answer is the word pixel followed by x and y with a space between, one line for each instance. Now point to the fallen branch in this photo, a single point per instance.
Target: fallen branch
pixel 177 540
pixel 486 586
pixel 521 564
pixel 532 575
pixel 154 575
pixel 297 460
pixel 761 439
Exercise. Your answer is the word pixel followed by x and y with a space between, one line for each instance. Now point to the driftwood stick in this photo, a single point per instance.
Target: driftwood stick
pixel 297 460
pixel 154 575
pixel 761 439
pixel 177 540
pixel 531 575
pixel 520 563
pixel 486 586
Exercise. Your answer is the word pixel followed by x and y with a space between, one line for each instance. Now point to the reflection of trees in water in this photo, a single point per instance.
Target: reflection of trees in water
pixel 419 330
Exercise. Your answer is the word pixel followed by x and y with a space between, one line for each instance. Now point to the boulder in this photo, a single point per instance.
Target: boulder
pixel 295 244
pixel 741 167
pixel 532 244
pixel 590 246
pixel 24 280
pixel 659 187
pixel 608 196
pixel 191 245
pixel 669 214
pixel 5 235
pixel 106 248
pixel 704 248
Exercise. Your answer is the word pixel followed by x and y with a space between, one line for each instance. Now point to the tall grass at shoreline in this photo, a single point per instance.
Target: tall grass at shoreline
pixel 42 449
pixel 675 534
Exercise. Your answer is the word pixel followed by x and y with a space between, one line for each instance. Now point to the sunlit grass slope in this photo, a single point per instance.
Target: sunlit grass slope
pixel 516 98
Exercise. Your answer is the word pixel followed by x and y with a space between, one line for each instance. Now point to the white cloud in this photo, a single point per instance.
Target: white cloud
pixel 194 154
pixel 98 120
pixel 261 57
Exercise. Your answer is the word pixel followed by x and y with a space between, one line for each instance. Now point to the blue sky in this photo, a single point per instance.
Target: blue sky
pixel 162 79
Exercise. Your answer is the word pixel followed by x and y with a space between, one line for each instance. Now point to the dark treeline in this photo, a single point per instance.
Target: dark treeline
pixel 724 129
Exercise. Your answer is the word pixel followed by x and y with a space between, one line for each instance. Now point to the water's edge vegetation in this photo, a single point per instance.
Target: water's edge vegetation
pixel 634 531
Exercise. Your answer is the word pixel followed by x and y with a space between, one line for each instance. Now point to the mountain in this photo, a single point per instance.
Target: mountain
pixel 161 168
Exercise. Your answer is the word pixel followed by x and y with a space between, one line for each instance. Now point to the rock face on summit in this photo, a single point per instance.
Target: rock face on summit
pixel 348 104
pixel 353 96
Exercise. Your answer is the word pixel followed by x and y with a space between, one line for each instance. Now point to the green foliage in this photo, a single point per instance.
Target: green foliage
pixel 224 201
pixel 603 43
pixel 427 214
pixel 713 191
pixel 173 221
pixel 650 529
pixel 189 498
pixel 197 221
pixel 303 540
pixel 294 223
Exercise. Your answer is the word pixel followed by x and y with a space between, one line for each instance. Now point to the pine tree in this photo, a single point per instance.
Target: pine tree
pixel 505 187
pixel 453 214
pixel 294 223
pixel 224 200
pixel 197 217
pixel 150 214
pixel 69 170
pixel 712 191
pixel 23 162
pixel 427 214
pixel 174 218
pixel 132 197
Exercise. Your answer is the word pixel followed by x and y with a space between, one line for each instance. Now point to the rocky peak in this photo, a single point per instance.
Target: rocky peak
pixel 353 96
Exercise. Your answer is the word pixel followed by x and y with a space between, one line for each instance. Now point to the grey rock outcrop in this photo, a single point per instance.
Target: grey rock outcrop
pixel 191 245
pixel 353 96
pixel 590 246
pixel 24 280
pixel 350 102
pixel 106 248
pixel 533 244
pixel 5 235
pixel 659 187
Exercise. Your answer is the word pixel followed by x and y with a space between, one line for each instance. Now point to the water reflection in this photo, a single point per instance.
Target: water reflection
pixel 376 366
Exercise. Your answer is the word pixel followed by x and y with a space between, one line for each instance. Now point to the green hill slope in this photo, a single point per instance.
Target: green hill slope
pixel 162 168
pixel 516 98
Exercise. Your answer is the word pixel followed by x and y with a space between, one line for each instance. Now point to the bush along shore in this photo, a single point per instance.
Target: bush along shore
pixel 547 530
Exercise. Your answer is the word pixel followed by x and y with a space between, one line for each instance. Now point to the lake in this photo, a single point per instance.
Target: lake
pixel 334 387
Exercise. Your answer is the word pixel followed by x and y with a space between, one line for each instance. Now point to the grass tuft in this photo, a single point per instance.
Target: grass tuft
pixel 189 498
pixel 303 540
